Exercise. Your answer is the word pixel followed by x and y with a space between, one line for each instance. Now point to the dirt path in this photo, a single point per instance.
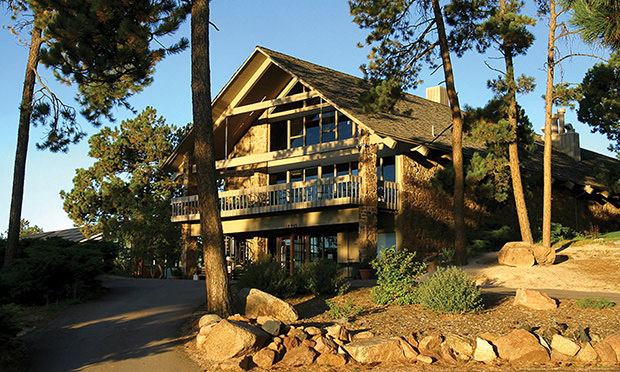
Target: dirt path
pixel 587 267
pixel 132 328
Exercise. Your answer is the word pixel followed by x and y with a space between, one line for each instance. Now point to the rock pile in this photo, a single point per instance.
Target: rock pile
pixel 522 254
pixel 242 343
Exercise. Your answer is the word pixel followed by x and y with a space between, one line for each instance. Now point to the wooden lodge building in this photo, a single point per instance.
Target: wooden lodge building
pixel 307 174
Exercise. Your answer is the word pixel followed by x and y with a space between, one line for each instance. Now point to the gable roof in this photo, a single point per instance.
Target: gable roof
pixel 73 234
pixel 414 120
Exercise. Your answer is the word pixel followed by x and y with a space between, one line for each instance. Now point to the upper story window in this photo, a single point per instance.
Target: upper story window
pixel 386 169
pixel 322 127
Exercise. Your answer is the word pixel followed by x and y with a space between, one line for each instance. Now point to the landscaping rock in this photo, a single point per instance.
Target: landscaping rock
pixel 325 345
pixel 614 342
pixel 556 356
pixel 587 353
pixel 425 359
pixel 447 355
pixel 299 356
pixel 290 342
pixel 460 345
pixel 534 300
pixel 313 331
pixel 254 303
pixel 265 358
pixel 239 318
pixel 517 254
pixel 605 352
pixel 332 360
pixel 409 351
pixel 235 364
pixel 362 335
pixel 544 256
pixel 208 319
pixel 564 345
pixel 338 332
pixel 272 327
pixel 521 346
pixel 375 350
pixel 233 339
pixel 413 339
pixel 484 351
pixel 431 345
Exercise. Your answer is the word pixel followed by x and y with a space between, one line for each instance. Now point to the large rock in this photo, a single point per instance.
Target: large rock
pixel 521 346
pixel 534 300
pixel 544 256
pixel 614 341
pixel 484 351
pixel 587 353
pixel 265 358
pixel 519 254
pixel 325 345
pixel 208 319
pixel 332 360
pixel 460 345
pixel 254 303
pixel 228 340
pixel 299 356
pixel 375 350
pixel 564 345
pixel 408 350
pixel 605 352
pixel 430 345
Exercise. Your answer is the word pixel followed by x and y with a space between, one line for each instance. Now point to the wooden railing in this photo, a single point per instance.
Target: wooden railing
pixel 343 190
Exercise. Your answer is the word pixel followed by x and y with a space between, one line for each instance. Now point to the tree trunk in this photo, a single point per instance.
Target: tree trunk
pixel 546 229
pixel 25 110
pixel 460 238
pixel 513 150
pixel 218 294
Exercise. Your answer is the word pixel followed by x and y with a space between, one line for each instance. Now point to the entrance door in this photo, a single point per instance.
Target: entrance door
pixel 291 251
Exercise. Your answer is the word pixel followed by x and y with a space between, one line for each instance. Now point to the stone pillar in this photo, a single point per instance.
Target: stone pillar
pixel 367 240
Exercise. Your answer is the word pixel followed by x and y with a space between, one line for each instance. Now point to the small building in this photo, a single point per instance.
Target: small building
pixel 307 174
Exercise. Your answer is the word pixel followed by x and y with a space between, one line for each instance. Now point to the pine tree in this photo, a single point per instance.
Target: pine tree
pixel 481 24
pixel 124 194
pixel 597 21
pixel 403 43
pixel 103 47
pixel 218 292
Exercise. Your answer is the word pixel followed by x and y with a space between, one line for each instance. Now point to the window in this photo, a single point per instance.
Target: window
pixel 296 133
pixel 278 135
pixel 328 130
pixel 313 130
pixel 386 169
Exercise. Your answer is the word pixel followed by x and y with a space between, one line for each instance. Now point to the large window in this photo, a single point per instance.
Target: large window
pixel 322 127
pixel 386 169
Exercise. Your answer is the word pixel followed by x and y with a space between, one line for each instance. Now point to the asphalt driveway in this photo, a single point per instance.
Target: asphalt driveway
pixel 131 328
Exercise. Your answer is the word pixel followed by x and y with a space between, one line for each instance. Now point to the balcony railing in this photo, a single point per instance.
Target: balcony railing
pixel 333 191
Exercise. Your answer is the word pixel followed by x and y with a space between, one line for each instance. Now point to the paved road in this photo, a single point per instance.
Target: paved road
pixel 132 328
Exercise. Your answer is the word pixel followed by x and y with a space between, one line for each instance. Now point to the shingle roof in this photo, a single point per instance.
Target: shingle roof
pixel 74 235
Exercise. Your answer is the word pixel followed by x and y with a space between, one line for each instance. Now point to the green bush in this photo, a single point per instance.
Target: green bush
pixel 8 323
pixel 559 233
pixel 397 274
pixel 347 310
pixel 53 270
pixel 449 290
pixel 594 303
pixel 491 239
pixel 321 277
pixel 269 276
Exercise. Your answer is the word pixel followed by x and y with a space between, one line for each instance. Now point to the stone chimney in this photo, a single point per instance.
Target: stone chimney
pixel 437 94
pixel 564 137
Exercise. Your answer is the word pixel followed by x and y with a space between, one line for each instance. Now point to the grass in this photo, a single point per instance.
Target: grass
pixel 588 239
pixel 594 303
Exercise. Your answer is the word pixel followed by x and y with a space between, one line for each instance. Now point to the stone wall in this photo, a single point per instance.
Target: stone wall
pixel 255 141
pixel 367 239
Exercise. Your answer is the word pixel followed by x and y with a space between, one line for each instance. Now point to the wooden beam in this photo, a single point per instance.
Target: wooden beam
pixel 291 84
pixel 294 112
pixel 243 92
pixel 272 103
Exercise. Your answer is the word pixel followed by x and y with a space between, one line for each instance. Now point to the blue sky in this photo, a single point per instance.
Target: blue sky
pixel 319 31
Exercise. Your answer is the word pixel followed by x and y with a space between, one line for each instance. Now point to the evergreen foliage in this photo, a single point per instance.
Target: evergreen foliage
pixel 599 106
pixel 125 194
pixel 597 21
pixel 449 290
pixel 397 275
pixel 322 277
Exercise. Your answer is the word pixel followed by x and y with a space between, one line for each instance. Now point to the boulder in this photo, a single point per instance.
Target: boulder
pixel 362 335
pixel 605 352
pixel 313 331
pixel 460 345
pixel 517 254
pixel 255 303
pixel 534 300
pixel 332 360
pixel 521 346
pixel 338 332
pixel 431 345
pixel 614 342
pixel 299 356
pixel 208 319
pixel 229 340
pixel 544 256
pixel 409 351
pixel 587 354
pixel 564 345
pixel 235 364
pixel 375 350
pixel 265 358
pixel 484 351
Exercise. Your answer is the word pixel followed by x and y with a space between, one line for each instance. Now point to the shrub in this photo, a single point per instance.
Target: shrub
pixel 559 233
pixel 397 274
pixel 322 277
pixel 449 290
pixel 269 276
pixel 346 310
pixel 594 303
pixel 52 270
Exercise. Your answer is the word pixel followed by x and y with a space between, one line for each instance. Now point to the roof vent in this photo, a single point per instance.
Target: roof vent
pixel 437 94
pixel 564 137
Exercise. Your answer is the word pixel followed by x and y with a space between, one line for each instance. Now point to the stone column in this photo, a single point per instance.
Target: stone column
pixel 367 240
pixel 189 251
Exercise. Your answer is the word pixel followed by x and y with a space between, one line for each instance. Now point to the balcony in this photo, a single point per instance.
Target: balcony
pixel 325 192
